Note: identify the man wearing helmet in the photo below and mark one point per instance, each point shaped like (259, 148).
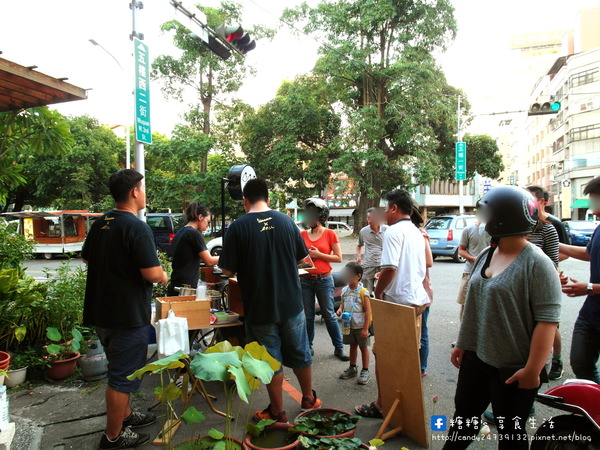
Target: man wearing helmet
(511, 313)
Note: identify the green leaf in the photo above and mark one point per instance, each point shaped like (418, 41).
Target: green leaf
(221, 445)
(239, 376)
(20, 333)
(376, 442)
(192, 415)
(170, 362)
(213, 366)
(256, 429)
(75, 345)
(77, 336)
(53, 334)
(54, 349)
(257, 368)
(260, 352)
(215, 434)
(171, 392)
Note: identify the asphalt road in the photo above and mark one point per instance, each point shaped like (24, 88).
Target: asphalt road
(442, 376)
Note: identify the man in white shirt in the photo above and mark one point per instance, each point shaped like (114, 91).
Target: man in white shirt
(402, 269)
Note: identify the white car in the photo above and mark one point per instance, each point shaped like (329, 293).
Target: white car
(215, 246)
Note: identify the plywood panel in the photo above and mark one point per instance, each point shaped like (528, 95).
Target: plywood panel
(398, 367)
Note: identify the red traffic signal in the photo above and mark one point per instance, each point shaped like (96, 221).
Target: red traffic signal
(236, 36)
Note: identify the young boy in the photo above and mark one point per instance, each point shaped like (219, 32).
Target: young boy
(355, 300)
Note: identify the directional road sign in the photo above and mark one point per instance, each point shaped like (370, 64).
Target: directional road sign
(143, 131)
(461, 160)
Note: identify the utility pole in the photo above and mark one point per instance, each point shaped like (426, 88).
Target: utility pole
(461, 207)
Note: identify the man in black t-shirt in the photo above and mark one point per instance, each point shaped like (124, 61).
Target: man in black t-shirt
(263, 248)
(122, 265)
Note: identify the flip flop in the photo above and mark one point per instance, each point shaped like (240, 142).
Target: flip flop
(369, 410)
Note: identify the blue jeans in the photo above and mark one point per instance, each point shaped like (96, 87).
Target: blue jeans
(585, 349)
(424, 350)
(323, 289)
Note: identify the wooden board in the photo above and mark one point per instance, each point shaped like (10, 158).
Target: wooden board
(197, 312)
(399, 367)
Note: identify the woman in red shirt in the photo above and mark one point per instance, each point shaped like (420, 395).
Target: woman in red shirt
(324, 248)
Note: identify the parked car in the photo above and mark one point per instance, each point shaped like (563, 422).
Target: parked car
(445, 232)
(580, 231)
(215, 246)
(165, 226)
(339, 227)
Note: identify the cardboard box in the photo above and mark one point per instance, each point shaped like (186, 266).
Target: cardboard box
(197, 312)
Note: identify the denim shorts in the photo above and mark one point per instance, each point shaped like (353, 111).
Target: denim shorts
(126, 352)
(287, 341)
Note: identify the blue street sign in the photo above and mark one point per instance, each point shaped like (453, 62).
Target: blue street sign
(461, 160)
(143, 131)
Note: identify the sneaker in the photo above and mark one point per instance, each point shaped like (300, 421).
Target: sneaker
(138, 420)
(126, 439)
(310, 403)
(364, 378)
(267, 415)
(556, 370)
(350, 372)
(341, 354)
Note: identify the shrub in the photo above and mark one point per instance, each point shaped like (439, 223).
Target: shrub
(14, 247)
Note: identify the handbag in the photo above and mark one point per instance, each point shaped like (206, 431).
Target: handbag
(172, 335)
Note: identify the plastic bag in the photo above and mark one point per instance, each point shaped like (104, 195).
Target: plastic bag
(172, 335)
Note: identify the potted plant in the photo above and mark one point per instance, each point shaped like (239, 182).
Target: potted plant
(326, 422)
(346, 443)
(19, 363)
(62, 358)
(240, 370)
(269, 434)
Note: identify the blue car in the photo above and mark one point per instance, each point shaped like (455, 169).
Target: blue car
(445, 232)
(580, 231)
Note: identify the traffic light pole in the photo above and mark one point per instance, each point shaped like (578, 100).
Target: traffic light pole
(461, 207)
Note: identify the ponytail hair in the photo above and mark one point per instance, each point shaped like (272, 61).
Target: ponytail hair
(195, 209)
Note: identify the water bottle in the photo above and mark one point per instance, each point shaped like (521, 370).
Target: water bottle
(201, 291)
(346, 316)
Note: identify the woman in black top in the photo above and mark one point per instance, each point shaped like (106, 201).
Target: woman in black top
(190, 248)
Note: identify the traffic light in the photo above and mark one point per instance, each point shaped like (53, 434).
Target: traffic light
(213, 44)
(538, 109)
(235, 36)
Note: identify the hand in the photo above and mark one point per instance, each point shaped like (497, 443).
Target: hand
(165, 279)
(456, 357)
(377, 275)
(525, 379)
(563, 278)
(364, 333)
(314, 252)
(339, 312)
(358, 259)
(575, 289)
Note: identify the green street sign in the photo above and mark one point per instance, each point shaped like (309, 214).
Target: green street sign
(143, 131)
(461, 161)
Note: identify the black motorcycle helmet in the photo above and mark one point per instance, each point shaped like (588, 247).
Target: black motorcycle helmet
(321, 206)
(508, 211)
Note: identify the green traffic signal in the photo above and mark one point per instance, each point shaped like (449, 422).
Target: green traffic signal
(555, 106)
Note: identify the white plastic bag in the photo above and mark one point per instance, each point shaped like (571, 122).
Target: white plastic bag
(172, 335)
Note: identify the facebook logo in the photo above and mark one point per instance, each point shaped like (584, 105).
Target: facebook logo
(438, 423)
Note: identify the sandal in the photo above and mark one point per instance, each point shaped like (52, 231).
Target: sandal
(369, 410)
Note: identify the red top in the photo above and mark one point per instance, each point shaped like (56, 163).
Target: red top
(325, 245)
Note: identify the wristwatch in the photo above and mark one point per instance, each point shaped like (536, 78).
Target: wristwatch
(590, 288)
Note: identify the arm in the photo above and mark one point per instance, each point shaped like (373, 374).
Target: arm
(208, 259)
(385, 278)
(367, 306)
(462, 251)
(359, 253)
(428, 254)
(541, 345)
(155, 274)
(334, 256)
(578, 288)
(572, 251)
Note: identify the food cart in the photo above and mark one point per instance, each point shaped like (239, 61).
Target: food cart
(54, 232)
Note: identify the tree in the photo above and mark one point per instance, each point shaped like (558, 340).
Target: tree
(37, 131)
(294, 139)
(483, 156)
(376, 59)
(77, 180)
(201, 71)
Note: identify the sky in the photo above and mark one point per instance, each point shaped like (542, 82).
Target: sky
(54, 35)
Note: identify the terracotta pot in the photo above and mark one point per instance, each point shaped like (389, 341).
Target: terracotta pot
(326, 412)
(4, 360)
(201, 438)
(63, 368)
(16, 377)
(260, 444)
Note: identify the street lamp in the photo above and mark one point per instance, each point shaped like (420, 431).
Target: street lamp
(127, 138)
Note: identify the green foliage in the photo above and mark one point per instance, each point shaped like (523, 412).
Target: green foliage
(57, 349)
(158, 290)
(24, 358)
(66, 291)
(14, 247)
(326, 443)
(325, 423)
(255, 429)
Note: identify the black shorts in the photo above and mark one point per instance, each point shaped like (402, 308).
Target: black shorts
(126, 352)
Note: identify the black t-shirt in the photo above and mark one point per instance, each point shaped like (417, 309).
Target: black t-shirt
(187, 244)
(263, 249)
(563, 236)
(116, 248)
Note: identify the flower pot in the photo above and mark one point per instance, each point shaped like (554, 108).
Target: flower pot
(63, 368)
(275, 436)
(327, 412)
(4, 360)
(94, 367)
(16, 377)
(206, 443)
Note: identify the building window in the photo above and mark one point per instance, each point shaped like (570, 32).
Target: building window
(581, 78)
(586, 106)
(583, 133)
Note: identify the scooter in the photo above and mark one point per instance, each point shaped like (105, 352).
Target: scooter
(578, 430)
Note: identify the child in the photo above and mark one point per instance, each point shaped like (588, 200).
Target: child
(355, 300)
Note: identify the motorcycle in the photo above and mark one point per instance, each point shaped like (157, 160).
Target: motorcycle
(578, 430)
